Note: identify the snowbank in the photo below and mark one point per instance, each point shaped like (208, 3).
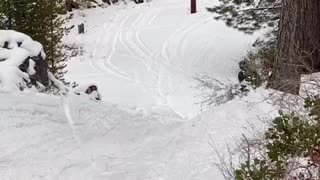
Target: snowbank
(114, 142)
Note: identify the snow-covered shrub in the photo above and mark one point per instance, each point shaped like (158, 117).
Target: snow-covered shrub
(60, 87)
(84, 4)
(257, 66)
(22, 66)
(214, 92)
(310, 85)
(18, 60)
(125, 1)
(73, 49)
(291, 148)
(260, 61)
(249, 72)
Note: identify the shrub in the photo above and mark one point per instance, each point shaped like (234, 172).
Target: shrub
(291, 148)
(260, 60)
(215, 92)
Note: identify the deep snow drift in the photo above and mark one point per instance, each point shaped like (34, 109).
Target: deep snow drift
(143, 58)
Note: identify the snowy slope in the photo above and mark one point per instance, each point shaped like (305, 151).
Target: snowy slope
(147, 54)
(113, 142)
(147, 127)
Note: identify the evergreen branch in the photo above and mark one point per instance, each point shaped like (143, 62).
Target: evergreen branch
(262, 8)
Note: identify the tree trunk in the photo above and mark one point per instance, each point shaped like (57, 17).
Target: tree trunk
(298, 44)
(41, 68)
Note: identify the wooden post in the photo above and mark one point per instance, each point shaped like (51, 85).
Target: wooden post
(81, 28)
(193, 6)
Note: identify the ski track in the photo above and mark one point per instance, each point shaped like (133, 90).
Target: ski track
(128, 34)
(105, 141)
(106, 66)
(129, 37)
(184, 33)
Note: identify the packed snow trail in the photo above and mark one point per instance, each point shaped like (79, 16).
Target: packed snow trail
(147, 54)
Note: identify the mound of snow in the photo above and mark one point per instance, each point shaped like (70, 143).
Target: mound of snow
(16, 39)
(15, 50)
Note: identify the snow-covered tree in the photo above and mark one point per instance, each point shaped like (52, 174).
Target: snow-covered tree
(298, 36)
(19, 58)
(40, 20)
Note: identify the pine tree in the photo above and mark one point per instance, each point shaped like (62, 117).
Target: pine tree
(2, 16)
(56, 58)
(40, 20)
(250, 16)
(298, 35)
(6, 14)
(247, 15)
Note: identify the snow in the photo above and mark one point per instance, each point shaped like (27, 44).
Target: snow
(60, 85)
(147, 54)
(310, 85)
(13, 38)
(107, 141)
(12, 56)
(11, 78)
(143, 59)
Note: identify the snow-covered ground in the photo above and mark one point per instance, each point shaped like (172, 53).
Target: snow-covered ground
(143, 58)
(115, 142)
(148, 54)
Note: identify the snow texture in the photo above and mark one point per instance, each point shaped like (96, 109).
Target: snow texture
(143, 59)
(72, 138)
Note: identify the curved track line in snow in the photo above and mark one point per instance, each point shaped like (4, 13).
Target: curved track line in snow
(189, 31)
(154, 16)
(121, 38)
(145, 53)
(173, 35)
(128, 34)
(135, 22)
(103, 40)
(137, 46)
(130, 42)
(108, 63)
(151, 60)
(184, 32)
(100, 41)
